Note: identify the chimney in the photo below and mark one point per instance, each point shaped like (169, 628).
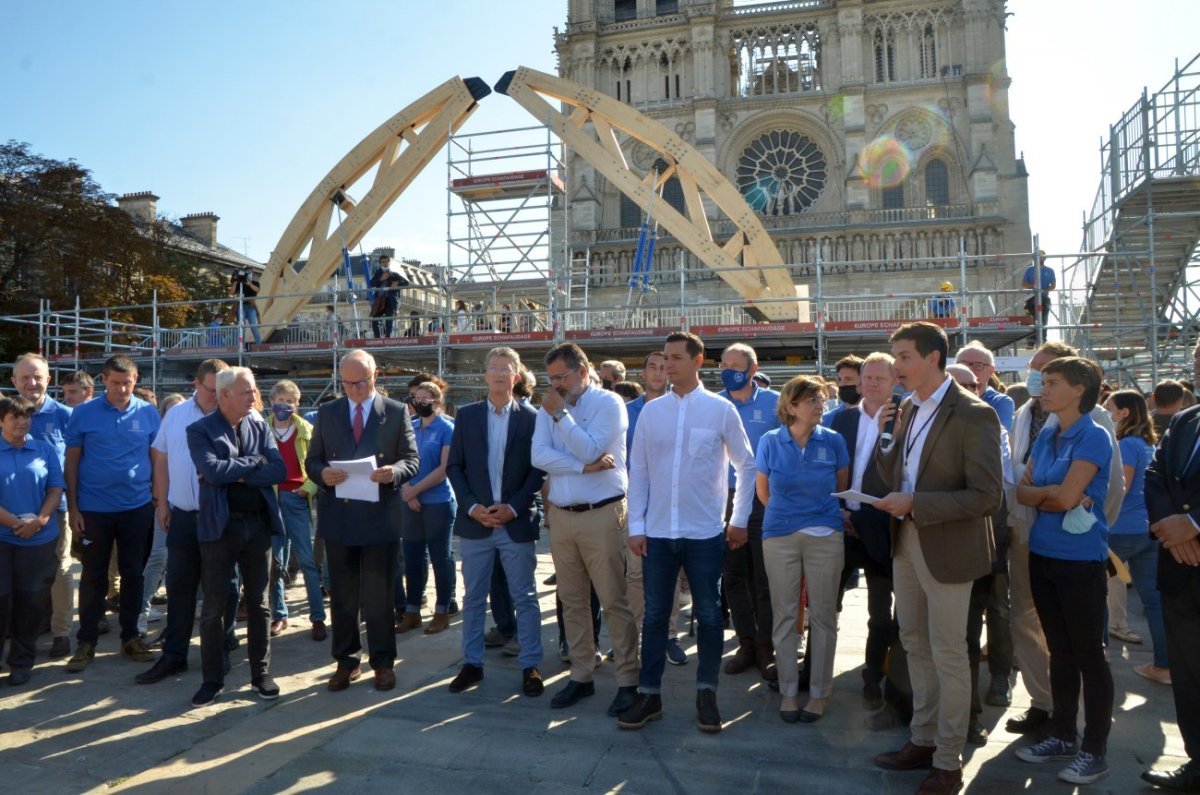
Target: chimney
(202, 226)
(142, 206)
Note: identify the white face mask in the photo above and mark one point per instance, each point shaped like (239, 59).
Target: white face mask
(1033, 383)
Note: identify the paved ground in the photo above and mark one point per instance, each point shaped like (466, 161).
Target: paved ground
(100, 732)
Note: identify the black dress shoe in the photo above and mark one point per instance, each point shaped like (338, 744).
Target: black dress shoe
(789, 715)
(623, 701)
(645, 709)
(1028, 721)
(166, 666)
(872, 696)
(976, 734)
(572, 694)
(809, 717)
(1000, 693)
(1183, 779)
(468, 676)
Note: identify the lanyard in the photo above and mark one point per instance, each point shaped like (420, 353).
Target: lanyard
(911, 442)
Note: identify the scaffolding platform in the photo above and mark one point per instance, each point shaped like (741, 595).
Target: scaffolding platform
(512, 184)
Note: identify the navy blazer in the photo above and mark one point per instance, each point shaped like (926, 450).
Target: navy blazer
(468, 471)
(388, 438)
(213, 444)
(872, 524)
(1174, 487)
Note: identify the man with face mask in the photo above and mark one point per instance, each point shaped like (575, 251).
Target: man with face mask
(612, 372)
(849, 374)
(1029, 644)
(744, 574)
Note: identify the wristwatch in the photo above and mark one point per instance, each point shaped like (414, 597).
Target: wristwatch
(558, 415)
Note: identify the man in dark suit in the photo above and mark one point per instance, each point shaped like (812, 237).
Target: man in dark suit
(361, 537)
(239, 465)
(947, 480)
(495, 484)
(868, 531)
(1173, 502)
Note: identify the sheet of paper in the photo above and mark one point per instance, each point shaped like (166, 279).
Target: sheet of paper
(856, 496)
(358, 486)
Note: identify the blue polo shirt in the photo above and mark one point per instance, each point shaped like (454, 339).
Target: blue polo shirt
(758, 415)
(50, 425)
(1048, 279)
(26, 474)
(1134, 519)
(1003, 405)
(802, 480)
(430, 442)
(114, 468)
(1083, 441)
(633, 409)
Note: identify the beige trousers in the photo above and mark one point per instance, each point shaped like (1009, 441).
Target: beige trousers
(818, 560)
(1029, 644)
(62, 590)
(587, 549)
(933, 630)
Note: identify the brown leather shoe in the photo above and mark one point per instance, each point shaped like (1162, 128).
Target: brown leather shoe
(278, 626)
(342, 678)
(319, 632)
(941, 782)
(743, 658)
(468, 676)
(910, 757)
(410, 621)
(439, 623)
(764, 657)
(385, 679)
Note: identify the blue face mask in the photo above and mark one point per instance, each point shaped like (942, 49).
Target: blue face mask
(282, 411)
(1033, 383)
(733, 380)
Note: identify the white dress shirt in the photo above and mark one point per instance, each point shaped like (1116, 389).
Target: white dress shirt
(183, 483)
(678, 468)
(864, 448)
(595, 425)
(918, 431)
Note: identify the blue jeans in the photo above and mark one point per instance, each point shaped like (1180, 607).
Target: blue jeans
(297, 524)
(518, 560)
(701, 561)
(1140, 553)
(503, 614)
(152, 574)
(428, 529)
(250, 318)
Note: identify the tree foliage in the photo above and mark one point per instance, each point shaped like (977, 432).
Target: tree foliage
(62, 236)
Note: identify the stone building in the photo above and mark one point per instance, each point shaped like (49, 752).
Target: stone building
(869, 132)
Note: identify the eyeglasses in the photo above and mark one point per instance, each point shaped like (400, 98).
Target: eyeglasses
(558, 379)
(356, 384)
(498, 369)
(976, 365)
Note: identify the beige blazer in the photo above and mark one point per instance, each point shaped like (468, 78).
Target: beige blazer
(960, 483)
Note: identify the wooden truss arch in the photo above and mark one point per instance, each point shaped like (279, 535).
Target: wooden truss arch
(422, 129)
(743, 261)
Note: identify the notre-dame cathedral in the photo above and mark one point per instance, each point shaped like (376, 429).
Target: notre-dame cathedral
(871, 132)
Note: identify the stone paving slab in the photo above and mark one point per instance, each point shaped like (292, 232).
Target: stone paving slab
(99, 732)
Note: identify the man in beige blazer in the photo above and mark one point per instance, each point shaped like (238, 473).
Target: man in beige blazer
(945, 471)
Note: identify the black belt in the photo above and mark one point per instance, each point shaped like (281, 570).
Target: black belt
(589, 506)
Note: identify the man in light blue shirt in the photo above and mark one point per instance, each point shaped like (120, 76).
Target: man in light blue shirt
(108, 473)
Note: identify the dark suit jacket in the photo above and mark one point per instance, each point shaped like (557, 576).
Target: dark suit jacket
(213, 445)
(1173, 487)
(960, 483)
(468, 471)
(873, 525)
(388, 438)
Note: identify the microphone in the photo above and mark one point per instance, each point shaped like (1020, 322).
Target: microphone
(886, 436)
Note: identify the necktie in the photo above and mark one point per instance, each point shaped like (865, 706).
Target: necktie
(358, 423)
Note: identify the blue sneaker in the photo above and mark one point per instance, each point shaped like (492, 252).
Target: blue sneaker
(1086, 769)
(1050, 749)
(675, 653)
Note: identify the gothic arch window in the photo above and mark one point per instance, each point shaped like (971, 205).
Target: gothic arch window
(937, 182)
(928, 52)
(776, 59)
(632, 215)
(885, 56)
(624, 10)
(781, 172)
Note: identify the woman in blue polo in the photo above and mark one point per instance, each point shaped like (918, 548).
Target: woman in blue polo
(800, 466)
(31, 488)
(1066, 480)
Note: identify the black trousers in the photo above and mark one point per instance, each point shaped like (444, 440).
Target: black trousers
(26, 574)
(245, 545)
(362, 579)
(745, 580)
(989, 594)
(183, 580)
(130, 531)
(882, 628)
(1071, 598)
(382, 324)
(1181, 614)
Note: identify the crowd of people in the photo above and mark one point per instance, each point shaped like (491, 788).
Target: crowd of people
(964, 503)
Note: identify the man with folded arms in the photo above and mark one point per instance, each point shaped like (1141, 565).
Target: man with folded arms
(579, 442)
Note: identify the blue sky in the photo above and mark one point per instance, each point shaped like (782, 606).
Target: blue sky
(242, 107)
